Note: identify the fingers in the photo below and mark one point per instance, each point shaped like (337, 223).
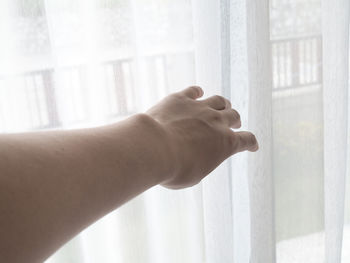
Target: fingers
(231, 118)
(217, 102)
(193, 92)
(244, 141)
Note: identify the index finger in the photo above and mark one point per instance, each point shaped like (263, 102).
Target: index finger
(193, 92)
(244, 141)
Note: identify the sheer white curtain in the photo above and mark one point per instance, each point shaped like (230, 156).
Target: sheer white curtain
(283, 64)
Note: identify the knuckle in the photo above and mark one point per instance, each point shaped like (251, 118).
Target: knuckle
(220, 99)
(196, 88)
(193, 88)
(179, 98)
(251, 139)
(177, 95)
(236, 118)
(236, 115)
(232, 141)
(200, 123)
(215, 116)
(254, 140)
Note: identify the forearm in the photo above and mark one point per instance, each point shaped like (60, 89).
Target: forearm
(54, 184)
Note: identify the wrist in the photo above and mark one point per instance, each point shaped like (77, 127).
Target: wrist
(160, 141)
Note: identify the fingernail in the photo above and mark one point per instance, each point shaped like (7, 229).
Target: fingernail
(257, 146)
(200, 91)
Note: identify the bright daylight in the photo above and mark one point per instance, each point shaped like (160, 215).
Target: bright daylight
(187, 131)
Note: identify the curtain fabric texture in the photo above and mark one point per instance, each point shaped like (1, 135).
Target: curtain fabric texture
(283, 64)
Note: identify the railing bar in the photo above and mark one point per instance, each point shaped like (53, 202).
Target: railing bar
(291, 58)
(296, 38)
(283, 66)
(297, 87)
(287, 64)
(309, 54)
(294, 63)
(160, 75)
(301, 63)
(133, 83)
(120, 88)
(304, 62)
(278, 66)
(274, 64)
(44, 108)
(38, 101)
(306, 54)
(311, 61)
(110, 84)
(314, 53)
(130, 95)
(71, 89)
(320, 61)
(77, 75)
(282, 61)
(31, 101)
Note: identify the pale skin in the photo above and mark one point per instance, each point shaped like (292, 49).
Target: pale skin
(53, 184)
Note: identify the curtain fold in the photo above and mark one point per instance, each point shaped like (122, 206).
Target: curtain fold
(283, 64)
(260, 123)
(210, 50)
(239, 94)
(335, 100)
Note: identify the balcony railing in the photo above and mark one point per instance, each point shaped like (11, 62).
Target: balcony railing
(35, 96)
(297, 62)
(45, 90)
(39, 97)
(27, 97)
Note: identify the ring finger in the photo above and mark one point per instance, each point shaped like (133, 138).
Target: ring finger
(231, 118)
(217, 102)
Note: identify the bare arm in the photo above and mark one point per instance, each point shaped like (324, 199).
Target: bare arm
(54, 184)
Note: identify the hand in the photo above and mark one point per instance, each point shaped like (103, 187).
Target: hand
(200, 135)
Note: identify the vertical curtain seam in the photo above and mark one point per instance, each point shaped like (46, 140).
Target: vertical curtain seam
(263, 245)
(335, 42)
(226, 70)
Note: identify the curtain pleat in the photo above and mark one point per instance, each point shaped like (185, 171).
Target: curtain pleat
(260, 123)
(209, 52)
(239, 97)
(80, 63)
(335, 25)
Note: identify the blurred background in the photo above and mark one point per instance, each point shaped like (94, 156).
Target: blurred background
(73, 63)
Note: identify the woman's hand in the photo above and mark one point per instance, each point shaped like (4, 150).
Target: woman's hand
(67, 180)
(199, 133)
